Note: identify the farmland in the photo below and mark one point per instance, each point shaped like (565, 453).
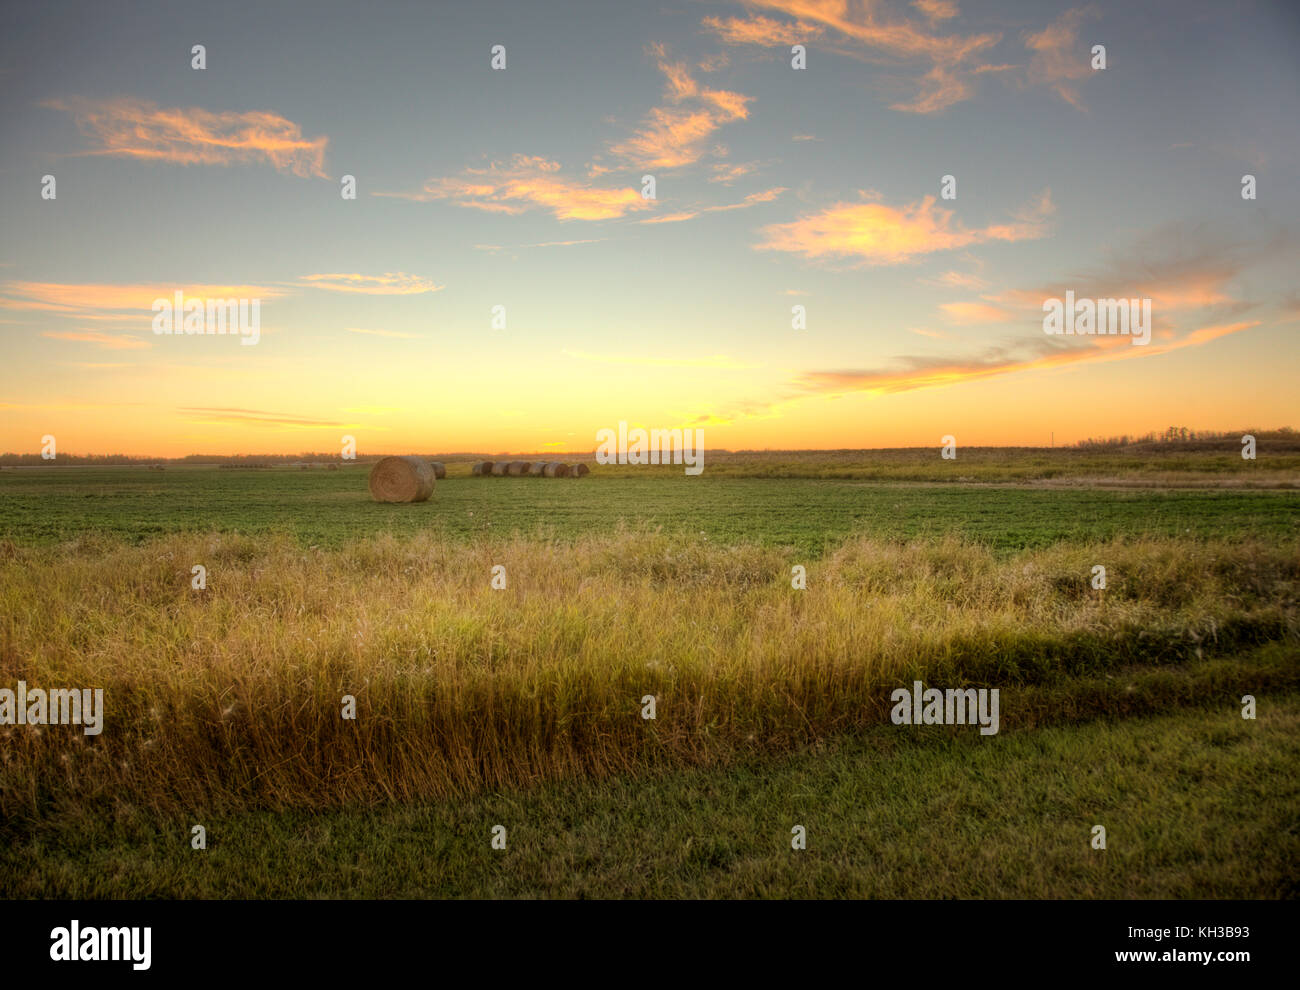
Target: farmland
(809, 514)
(522, 703)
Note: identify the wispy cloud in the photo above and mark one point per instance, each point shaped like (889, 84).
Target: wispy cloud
(539, 244)
(957, 280)
(719, 361)
(760, 30)
(107, 341)
(388, 284)
(870, 233)
(935, 11)
(227, 414)
(926, 332)
(946, 64)
(862, 29)
(91, 300)
(1057, 60)
(753, 199)
(1179, 266)
(527, 183)
(727, 173)
(1184, 269)
(677, 134)
(974, 312)
(131, 128)
(915, 372)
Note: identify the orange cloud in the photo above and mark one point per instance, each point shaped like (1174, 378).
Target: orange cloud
(958, 280)
(388, 284)
(862, 31)
(672, 217)
(973, 312)
(875, 234)
(862, 23)
(761, 30)
(1188, 266)
(131, 128)
(528, 182)
(924, 332)
(674, 135)
(766, 196)
(727, 173)
(918, 373)
(87, 300)
(1058, 60)
(936, 10)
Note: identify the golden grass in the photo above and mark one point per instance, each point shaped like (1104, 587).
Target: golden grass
(231, 697)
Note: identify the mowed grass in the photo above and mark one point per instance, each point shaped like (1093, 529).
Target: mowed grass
(810, 516)
(1196, 804)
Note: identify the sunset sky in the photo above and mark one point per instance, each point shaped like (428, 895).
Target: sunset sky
(522, 188)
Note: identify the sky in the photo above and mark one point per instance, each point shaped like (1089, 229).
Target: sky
(502, 281)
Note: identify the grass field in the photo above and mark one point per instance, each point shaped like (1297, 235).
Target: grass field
(810, 515)
(1196, 804)
(224, 704)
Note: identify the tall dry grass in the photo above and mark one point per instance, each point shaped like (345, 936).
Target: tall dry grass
(231, 697)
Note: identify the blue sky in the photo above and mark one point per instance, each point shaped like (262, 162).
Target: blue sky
(774, 187)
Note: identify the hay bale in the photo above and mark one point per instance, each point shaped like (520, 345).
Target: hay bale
(481, 468)
(439, 469)
(499, 468)
(517, 469)
(536, 468)
(556, 470)
(401, 479)
(579, 471)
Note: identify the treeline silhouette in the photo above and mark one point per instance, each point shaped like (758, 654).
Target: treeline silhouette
(1177, 438)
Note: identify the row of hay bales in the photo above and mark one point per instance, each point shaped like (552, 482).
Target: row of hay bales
(411, 479)
(529, 469)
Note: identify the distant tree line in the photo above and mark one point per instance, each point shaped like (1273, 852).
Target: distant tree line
(1180, 437)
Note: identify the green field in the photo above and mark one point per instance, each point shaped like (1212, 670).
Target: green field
(520, 706)
(330, 508)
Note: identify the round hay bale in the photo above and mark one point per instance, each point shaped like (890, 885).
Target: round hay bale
(579, 471)
(536, 468)
(401, 479)
(439, 469)
(482, 468)
(556, 470)
(499, 468)
(517, 469)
